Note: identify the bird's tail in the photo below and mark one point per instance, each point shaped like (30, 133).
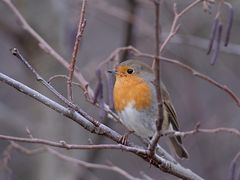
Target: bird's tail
(179, 149)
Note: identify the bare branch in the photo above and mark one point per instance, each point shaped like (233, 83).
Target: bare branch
(81, 27)
(73, 160)
(157, 70)
(200, 130)
(197, 74)
(47, 48)
(190, 6)
(27, 151)
(6, 157)
(73, 115)
(161, 163)
(63, 144)
(64, 77)
(193, 71)
(205, 77)
(92, 165)
(175, 27)
(55, 77)
(16, 53)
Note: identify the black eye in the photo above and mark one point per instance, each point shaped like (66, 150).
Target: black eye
(130, 71)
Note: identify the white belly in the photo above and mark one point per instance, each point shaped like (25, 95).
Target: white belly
(141, 122)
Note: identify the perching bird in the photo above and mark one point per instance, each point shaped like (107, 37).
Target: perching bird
(135, 101)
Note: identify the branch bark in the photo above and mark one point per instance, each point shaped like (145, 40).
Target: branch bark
(157, 71)
(47, 48)
(161, 163)
(63, 157)
(193, 71)
(71, 69)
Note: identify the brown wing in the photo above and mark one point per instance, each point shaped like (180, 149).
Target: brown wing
(172, 115)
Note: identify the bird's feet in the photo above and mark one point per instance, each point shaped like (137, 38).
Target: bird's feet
(123, 140)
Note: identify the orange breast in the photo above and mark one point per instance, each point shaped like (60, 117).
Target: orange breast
(131, 89)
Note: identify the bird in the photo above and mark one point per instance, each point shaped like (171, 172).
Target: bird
(135, 101)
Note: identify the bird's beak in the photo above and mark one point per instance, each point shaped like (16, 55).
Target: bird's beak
(112, 71)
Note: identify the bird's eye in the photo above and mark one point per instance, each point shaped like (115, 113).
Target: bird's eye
(130, 71)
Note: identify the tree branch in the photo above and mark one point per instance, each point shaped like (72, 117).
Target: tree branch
(161, 163)
(61, 156)
(39, 78)
(175, 27)
(64, 145)
(81, 27)
(200, 130)
(47, 48)
(193, 71)
(157, 70)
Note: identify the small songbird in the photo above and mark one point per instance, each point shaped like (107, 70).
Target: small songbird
(135, 101)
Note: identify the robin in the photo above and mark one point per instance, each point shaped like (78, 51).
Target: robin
(135, 101)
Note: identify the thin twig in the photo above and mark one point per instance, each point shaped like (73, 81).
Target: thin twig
(161, 163)
(146, 28)
(27, 151)
(65, 145)
(56, 76)
(16, 53)
(205, 77)
(193, 71)
(47, 48)
(112, 55)
(88, 165)
(81, 27)
(157, 67)
(62, 76)
(85, 164)
(6, 157)
(201, 130)
(175, 27)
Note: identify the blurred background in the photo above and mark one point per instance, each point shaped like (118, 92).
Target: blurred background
(110, 24)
